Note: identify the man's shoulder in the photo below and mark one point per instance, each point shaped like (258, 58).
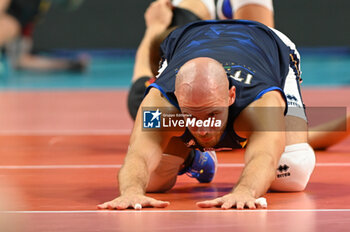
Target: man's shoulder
(251, 118)
(272, 98)
(270, 101)
(155, 98)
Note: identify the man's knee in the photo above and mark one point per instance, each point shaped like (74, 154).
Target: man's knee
(160, 187)
(295, 168)
(265, 3)
(136, 94)
(164, 176)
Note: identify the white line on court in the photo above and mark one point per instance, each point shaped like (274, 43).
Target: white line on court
(176, 211)
(64, 132)
(60, 166)
(88, 166)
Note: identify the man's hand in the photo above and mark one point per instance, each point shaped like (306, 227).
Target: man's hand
(131, 201)
(240, 199)
(159, 15)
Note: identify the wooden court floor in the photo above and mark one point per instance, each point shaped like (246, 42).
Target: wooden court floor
(61, 151)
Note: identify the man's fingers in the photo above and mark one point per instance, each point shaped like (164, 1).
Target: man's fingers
(240, 205)
(228, 205)
(206, 204)
(234, 200)
(113, 205)
(159, 204)
(210, 203)
(251, 205)
(122, 205)
(137, 203)
(103, 206)
(149, 202)
(107, 205)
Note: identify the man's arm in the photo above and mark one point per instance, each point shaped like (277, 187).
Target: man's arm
(263, 125)
(144, 154)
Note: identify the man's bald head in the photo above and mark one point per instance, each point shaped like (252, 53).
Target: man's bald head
(202, 90)
(201, 82)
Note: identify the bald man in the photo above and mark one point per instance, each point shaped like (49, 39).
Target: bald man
(221, 85)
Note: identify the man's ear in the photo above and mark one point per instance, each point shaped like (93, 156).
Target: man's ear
(232, 95)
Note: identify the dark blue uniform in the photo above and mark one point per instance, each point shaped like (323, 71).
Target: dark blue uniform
(254, 57)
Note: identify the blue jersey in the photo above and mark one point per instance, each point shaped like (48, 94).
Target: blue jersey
(254, 57)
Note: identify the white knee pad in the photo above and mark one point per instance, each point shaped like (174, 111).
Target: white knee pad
(239, 3)
(294, 168)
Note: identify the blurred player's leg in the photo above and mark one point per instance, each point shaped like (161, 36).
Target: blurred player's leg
(9, 28)
(20, 18)
(19, 52)
(45, 64)
(330, 133)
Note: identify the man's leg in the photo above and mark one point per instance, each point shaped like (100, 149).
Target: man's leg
(9, 28)
(298, 160)
(204, 9)
(19, 52)
(256, 10)
(177, 160)
(328, 134)
(164, 177)
(143, 72)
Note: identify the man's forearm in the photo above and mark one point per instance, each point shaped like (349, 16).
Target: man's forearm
(257, 175)
(133, 176)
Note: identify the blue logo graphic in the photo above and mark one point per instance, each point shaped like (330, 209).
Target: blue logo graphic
(151, 118)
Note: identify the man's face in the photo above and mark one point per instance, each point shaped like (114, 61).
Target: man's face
(215, 120)
(202, 90)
